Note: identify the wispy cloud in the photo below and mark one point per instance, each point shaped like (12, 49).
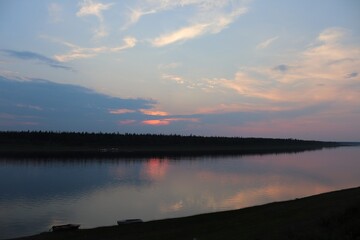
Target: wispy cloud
(89, 7)
(26, 55)
(208, 17)
(266, 43)
(147, 7)
(211, 26)
(135, 15)
(316, 75)
(181, 34)
(175, 78)
(320, 82)
(203, 83)
(332, 35)
(78, 52)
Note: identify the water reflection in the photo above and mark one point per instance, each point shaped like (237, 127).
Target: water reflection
(37, 194)
(155, 169)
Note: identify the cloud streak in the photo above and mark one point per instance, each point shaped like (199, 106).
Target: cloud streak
(27, 55)
(212, 26)
(266, 43)
(318, 73)
(181, 35)
(319, 89)
(89, 7)
(78, 52)
(208, 17)
(156, 6)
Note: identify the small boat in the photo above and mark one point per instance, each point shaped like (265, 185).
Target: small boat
(65, 227)
(129, 221)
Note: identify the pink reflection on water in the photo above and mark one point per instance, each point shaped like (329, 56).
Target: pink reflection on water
(155, 168)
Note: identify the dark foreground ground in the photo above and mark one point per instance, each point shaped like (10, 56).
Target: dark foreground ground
(334, 215)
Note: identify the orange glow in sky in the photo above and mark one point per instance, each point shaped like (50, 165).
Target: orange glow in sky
(153, 113)
(156, 122)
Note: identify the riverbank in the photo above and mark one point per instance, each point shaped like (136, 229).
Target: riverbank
(108, 145)
(334, 215)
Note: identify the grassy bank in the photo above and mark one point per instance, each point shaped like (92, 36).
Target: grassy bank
(334, 215)
(97, 145)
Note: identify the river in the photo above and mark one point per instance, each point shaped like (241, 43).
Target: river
(36, 194)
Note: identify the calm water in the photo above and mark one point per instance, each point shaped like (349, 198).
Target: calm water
(34, 195)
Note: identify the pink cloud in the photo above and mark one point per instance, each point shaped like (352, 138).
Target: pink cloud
(156, 122)
(167, 121)
(154, 112)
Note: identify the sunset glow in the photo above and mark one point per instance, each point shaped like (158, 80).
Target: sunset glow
(156, 122)
(153, 113)
(167, 121)
(229, 68)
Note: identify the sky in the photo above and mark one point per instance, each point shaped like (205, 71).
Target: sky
(243, 68)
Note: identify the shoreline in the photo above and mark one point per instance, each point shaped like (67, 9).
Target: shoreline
(334, 215)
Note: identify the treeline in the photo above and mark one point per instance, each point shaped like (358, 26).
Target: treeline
(80, 139)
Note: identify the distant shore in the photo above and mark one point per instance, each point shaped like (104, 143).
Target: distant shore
(107, 145)
(334, 215)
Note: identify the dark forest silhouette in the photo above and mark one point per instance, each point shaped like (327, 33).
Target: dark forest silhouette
(45, 143)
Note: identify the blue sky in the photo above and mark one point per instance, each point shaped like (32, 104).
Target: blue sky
(281, 68)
